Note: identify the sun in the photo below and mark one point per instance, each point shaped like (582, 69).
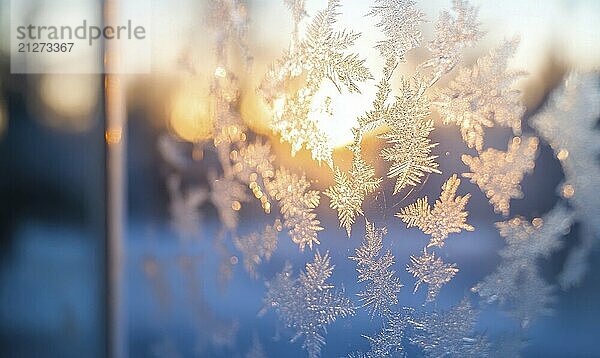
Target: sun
(337, 113)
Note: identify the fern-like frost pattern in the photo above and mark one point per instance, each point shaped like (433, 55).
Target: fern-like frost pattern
(517, 283)
(482, 96)
(297, 204)
(308, 304)
(569, 122)
(375, 268)
(498, 174)
(447, 216)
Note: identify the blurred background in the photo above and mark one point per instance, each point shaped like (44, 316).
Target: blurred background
(188, 295)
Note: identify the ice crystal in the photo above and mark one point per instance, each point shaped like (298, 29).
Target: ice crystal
(450, 333)
(374, 267)
(350, 189)
(431, 270)
(253, 165)
(482, 96)
(253, 160)
(388, 342)
(380, 112)
(362, 173)
(308, 304)
(408, 136)
(345, 198)
(527, 241)
(400, 21)
(319, 56)
(228, 125)
(453, 33)
(408, 130)
(296, 203)
(258, 247)
(227, 195)
(516, 283)
(184, 208)
(569, 123)
(447, 216)
(323, 51)
(298, 11)
(229, 19)
(498, 174)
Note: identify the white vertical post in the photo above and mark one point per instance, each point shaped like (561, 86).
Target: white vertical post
(116, 191)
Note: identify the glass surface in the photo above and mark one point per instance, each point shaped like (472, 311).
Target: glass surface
(193, 211)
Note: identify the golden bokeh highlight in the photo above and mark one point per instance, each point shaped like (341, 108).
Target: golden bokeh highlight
(191, 117)
(567, 191)
(68, 101)
(263, 169)
(562, 154)
(255, 113)
(113, 136)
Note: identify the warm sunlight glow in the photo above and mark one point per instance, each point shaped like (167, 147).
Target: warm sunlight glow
(69, 100)
(190, 117)
(3, 118)
(337, 112)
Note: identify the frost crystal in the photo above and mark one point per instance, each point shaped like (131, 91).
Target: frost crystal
(499, 174)
(346, 198)
(320, 56)
(450, 333)
(452, 35)
(388, 342)
(229, 19)
(308, 304)
(350, 190)
(528, 241)
(408, 136)
(380, 113)
(482, 96)
(381, 293)
(258, 247)
(253, 165)
(517, 283)
(298, 11)
(447, 216)
(569, 122)
(400, 22)
(184, 208)
(227, 195)
(432, 271)
(297, 203)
